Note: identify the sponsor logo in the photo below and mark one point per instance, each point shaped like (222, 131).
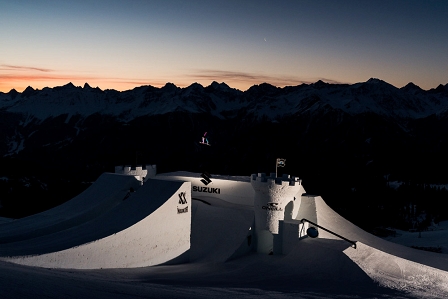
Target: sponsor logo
(184, 210)
(182, 198)
(272, 206)
(206, 190)
(182, 201)
(206, 178)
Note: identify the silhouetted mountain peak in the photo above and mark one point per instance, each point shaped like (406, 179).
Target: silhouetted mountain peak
(411, 87)
(88, 87)
(263, 88)
(219, 86)
(69, 85)
(442, 88)
(13, 92)
(375, 81)
(195, 86)
(28, 91)
(169, 87)
(379, 82)
(376, 86)
(320, 84)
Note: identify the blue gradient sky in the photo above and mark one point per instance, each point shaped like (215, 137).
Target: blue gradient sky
(123, 44)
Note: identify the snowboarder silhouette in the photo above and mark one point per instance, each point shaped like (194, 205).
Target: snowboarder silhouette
(204, 139)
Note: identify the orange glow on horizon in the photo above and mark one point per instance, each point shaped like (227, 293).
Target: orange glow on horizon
(19, 77)
(21, 82)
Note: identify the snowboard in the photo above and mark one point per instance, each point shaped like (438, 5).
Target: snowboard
(204, 143)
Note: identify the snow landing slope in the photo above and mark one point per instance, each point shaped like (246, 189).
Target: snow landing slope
(389, 264)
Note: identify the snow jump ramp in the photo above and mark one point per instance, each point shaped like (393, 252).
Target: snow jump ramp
(150, 227)
(106, 192)
(388, 264)
(328, 218)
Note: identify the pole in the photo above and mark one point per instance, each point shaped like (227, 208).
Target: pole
(276, 165)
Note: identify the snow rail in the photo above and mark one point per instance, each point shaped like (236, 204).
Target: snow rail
(329, 231)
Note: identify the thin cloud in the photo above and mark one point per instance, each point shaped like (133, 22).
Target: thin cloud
(9, 67)
(253, 78)
(29, 74)
(331, 81)
(20, 81)
(31, 77)
(62, 77)
(136, 82)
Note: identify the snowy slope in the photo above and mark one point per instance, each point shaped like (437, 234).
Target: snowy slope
(434, 238)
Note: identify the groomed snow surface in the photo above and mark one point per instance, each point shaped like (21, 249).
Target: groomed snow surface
(216, 261)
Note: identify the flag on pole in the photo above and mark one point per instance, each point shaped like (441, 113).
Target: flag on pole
(281, 162)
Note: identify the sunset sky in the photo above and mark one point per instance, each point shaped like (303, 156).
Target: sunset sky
(123, 44)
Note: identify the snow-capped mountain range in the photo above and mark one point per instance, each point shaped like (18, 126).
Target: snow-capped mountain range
(374, 96)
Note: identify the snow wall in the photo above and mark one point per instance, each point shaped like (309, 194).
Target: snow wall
(235, 190)
(139, 172)
(273, 198)
(290, 231)
(151, 227)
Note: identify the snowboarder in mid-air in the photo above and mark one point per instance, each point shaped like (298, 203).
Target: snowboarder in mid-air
(204, 139)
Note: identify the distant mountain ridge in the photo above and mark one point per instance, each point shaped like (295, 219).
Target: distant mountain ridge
(222, 101)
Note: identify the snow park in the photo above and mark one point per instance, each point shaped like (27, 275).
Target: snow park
(223, 149)
(137, 233)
